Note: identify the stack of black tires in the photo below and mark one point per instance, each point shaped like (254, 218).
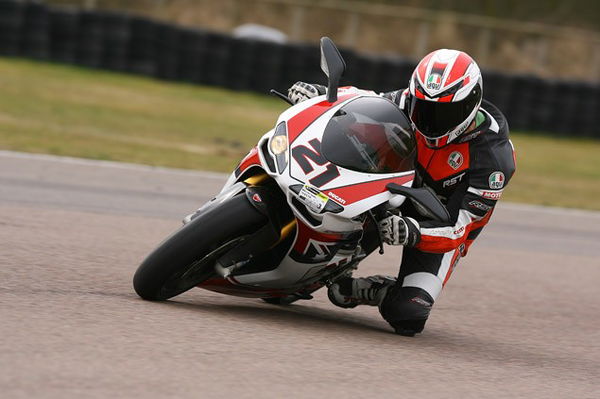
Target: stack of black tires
(121, 42)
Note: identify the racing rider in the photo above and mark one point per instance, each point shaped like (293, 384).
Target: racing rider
(465, 156)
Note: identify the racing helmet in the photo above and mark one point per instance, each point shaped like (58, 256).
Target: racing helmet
(445, 93)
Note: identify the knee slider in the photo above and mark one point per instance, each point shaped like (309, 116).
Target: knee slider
(406, 309)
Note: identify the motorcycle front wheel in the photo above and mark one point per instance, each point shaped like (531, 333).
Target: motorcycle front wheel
(188, 256)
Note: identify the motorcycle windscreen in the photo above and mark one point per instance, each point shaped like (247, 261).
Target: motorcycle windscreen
(370, 135)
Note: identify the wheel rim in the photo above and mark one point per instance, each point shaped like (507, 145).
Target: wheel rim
(195, 272)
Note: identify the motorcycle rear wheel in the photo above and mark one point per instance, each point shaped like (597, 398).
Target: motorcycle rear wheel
(188, 256)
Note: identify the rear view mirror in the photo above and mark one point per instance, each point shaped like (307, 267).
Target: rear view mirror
(430, 204)
(333, 66)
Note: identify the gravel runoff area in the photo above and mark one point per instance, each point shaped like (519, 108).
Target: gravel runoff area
(519, 318)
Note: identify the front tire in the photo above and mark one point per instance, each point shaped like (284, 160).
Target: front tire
(188, 256)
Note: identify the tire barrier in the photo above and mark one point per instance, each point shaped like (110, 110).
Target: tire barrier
(35, 34)
(218, 57)
(90, 45)
(167, 51)
(63, 31)
(139, 45)
(11, 26)
(116, 37)
(143, 47)
(190, 47)
(300, 62)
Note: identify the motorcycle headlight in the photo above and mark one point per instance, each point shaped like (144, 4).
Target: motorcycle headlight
(279, 146)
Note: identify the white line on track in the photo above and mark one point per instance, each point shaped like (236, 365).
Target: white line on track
(222, 176)
(111, 164)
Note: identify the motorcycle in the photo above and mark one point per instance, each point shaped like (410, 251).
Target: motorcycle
(301, 209)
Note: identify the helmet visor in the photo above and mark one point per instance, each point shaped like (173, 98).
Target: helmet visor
(435, 119)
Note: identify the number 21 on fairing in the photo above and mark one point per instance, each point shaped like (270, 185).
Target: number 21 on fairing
(302, 154)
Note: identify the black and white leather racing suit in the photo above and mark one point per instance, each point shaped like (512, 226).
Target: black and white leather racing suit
(469, 175)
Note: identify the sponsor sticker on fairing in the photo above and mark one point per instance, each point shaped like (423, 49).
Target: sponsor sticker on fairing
(496, 180)
(455, 160)
(337, 198)
(314, 199)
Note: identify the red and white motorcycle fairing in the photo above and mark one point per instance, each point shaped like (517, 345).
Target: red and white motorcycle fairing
(310, 179)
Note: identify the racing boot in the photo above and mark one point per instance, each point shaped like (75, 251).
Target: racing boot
(348, 292)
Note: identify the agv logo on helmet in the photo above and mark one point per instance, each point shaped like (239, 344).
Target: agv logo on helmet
(434, 82)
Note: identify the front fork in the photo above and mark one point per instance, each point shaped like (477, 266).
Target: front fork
(230, 190)
(223, 196)
(269, 201)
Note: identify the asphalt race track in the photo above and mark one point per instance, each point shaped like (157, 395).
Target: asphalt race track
(519, 318)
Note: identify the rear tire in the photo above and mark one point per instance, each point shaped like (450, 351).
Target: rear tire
(187, 257)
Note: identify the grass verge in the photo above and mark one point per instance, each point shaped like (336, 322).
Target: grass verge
(72, 111)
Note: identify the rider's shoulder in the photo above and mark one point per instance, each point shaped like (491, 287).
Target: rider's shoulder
(492, 132)
(497, 121)
(492, 151)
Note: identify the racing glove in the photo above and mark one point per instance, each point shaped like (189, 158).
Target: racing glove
(301, 91)
(398, 230)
